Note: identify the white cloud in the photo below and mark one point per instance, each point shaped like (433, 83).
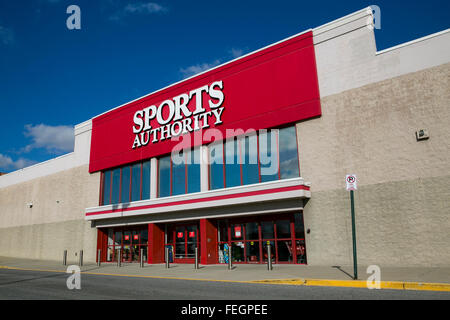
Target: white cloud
(198, 68)
(149, 7)
(6, 163)
(138, 8)
(54, 139)
(235, 52)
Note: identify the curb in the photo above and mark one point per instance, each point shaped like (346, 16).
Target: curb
(393, 285)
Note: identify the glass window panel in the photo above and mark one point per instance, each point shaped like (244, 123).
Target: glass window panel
(223, 231)
(115, 195)
(301, 251)
(179, 174)
(237, 251)
(299, 227)
(267, 230)
(251, 231)
(146, 180)
(118, 238)
(283, 229)
(216, 166)
(232, 164)
(144, 236)
(193, 165)
(252, 251)
(284, 251)
(268, 151)
(288, 153)
(249, 151)
(136, 182)
(125, 193)
(164, 176)
(106, 187)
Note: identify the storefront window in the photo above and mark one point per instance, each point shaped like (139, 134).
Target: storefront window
(106, 187)
(248, 159)
(115, 194)
(216, 172)
(146, 180)
(232, 163)
(117, 183)
(193, 170)
(179, 173)
(268, 155)
(250, 237)
(136, 182)
(288, 153)
(249, 152)
(125, 194)
(164, 176)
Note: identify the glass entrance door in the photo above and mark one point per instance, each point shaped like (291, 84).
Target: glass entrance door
(129, 241)
(185, 238)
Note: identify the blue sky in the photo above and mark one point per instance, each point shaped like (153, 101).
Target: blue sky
(52, 78)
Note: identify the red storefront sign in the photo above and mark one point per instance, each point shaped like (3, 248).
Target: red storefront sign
(126, 238)
(274, 86)
(237, 232)
(180, 235)
(135, 237)
(191, 234)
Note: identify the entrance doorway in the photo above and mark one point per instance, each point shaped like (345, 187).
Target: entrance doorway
(247, 239)
(183, 238)
(130, 241)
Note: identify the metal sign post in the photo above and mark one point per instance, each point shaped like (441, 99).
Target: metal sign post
(351, 186)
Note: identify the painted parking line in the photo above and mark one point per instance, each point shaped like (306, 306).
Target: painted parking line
(392, 285)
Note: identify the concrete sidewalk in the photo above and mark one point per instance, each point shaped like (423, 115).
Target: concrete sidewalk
(392, 278)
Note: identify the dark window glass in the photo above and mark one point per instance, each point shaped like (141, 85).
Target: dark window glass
(299, 227)
(283, 229)
(288, 153)
(284, 251)
(115, 195)
(223, 231)
(178, 174)
(232, 163)
(118, 238)
(125, 193)
(193, 170)
(216, 166)
(106, 187)
(144, 236)
(136, 182)
(252, 251)
(251, 231)
(164, 176)
(249, 152)
(267, 230)
(146, 180)
(268, 158)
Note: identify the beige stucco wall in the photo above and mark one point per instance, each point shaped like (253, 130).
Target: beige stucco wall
(55, 222)
(403, 198)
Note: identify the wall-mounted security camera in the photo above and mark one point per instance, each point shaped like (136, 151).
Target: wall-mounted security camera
(422, 134)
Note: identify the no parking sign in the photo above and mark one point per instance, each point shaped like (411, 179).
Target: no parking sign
(350, 180)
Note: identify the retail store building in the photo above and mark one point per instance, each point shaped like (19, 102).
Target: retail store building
(256, 151)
